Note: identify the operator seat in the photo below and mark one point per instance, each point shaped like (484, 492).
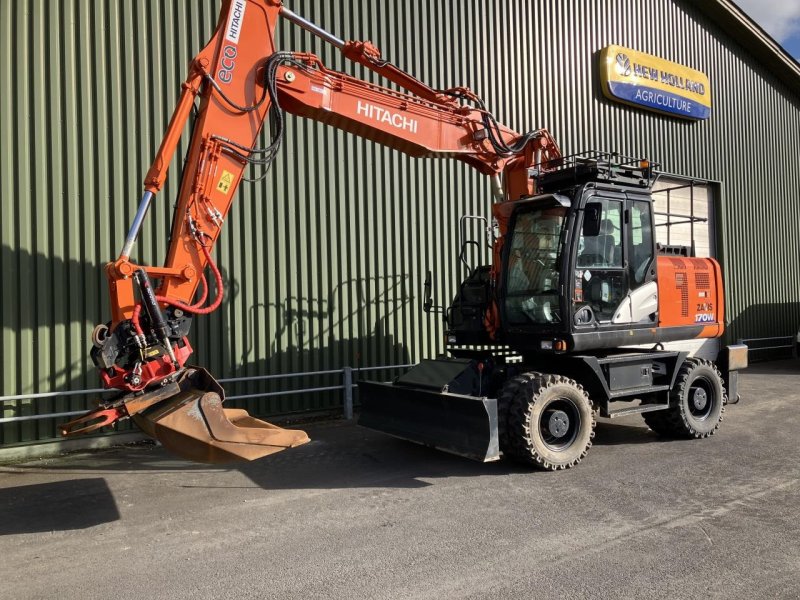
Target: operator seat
(598, 250)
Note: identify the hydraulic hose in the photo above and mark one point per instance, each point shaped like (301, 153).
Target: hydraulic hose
(195, 309)
(137, 326)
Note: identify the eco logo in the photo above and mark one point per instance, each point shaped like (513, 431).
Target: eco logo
(229, 52)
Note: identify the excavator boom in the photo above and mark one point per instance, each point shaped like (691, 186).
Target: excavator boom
(233, 84)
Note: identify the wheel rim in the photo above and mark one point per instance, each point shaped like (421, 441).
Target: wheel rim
(559, 424)
(702, 399)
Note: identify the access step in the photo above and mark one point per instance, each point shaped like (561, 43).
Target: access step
(635, 410)
(638, 391)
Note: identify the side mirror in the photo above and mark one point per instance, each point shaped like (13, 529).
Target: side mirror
(428, 303)
(591, 219)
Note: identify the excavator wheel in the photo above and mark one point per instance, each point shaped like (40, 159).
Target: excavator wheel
(697, 402)
(504, 401)
(548, 422)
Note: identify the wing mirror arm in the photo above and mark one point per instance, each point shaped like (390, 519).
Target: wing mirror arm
(428, 305)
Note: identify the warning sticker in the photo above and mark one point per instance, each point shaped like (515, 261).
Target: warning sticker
(225, 182)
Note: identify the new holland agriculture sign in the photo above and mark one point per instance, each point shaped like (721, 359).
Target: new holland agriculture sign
(654, 83)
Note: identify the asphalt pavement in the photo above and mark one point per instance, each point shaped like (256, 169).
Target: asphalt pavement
(355, 514)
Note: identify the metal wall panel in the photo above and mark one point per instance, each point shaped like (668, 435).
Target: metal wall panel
(324, 261)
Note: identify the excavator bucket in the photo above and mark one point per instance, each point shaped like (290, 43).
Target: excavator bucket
(193, 425)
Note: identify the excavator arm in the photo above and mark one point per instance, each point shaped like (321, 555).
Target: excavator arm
(239, 79)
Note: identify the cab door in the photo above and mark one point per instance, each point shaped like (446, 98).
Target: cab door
(640, 306)
(615, 265)
(601, 271)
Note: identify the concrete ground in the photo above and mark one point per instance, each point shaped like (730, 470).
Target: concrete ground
(355, 514)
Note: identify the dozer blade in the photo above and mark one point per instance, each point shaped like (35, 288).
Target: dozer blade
(194, 425)
(459, 424)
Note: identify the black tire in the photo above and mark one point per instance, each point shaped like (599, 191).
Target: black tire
(505, 399)
(697, 403)
(548, 421)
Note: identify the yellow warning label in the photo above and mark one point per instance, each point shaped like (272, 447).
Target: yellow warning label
(225, 182)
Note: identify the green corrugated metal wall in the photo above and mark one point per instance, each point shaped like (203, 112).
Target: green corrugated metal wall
(324, 261)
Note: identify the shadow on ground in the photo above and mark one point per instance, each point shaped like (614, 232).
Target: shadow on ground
(618, 434)
(340, 455)
(56, 506)
(789, 366)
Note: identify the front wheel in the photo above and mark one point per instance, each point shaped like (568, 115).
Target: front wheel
(549, 421)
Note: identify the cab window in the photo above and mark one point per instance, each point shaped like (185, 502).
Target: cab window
(601, 282)
(532, 292)
(642, 238)
(600, 247)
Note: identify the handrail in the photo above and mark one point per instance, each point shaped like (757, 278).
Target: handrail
(346, 386)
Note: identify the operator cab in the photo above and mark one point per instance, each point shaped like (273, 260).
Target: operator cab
(578, 263)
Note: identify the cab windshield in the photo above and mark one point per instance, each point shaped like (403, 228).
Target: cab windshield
(533, 267)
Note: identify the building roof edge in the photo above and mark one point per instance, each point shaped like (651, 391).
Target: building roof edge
(754, 39)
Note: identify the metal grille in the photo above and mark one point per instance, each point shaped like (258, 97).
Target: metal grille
(678, 263)
(683, 285)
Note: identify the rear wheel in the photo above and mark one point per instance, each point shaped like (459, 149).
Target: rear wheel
(546, 420)
(697, 401)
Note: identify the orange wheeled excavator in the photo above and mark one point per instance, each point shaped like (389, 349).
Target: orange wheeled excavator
(576, 277)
